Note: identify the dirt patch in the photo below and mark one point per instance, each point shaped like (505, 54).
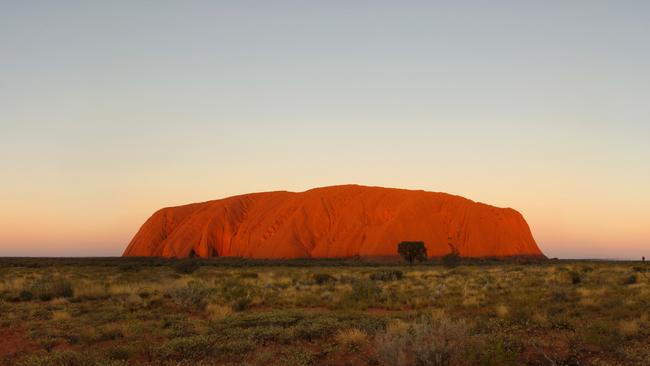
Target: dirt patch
(14, 344)
(382, 312)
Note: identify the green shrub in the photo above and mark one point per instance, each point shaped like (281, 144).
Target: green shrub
(559, 296)
(25, 295)
(345, 279)
(110, 333)
(323, 278)
(41, 290)
(48, 288)
(119, 353)
(387, 275)
(630, 280)
(315, 328)
(128, 267)
(602, 335)
(426, 342)
(186, 266)
(192, 297)
(452, 259)
(236, 347)
(61, 287)
(237, 294)
(291, 326)
(41, 313)
(179, 326)
(204, 346)
(187, 348)
(299, 357)
(241, 303)
(497, 351)
(364, 293)
(60, 358)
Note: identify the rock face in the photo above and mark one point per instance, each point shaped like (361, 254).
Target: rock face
(338, 221)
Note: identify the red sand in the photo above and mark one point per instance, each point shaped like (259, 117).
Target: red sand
(338, 221)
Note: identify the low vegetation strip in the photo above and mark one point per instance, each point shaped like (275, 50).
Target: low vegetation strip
(161, 312)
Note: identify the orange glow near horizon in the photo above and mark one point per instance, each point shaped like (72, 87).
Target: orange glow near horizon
(64, 230)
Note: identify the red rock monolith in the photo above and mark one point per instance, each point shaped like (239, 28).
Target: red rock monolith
(330, 222)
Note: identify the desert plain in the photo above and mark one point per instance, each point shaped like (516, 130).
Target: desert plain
(228, 311)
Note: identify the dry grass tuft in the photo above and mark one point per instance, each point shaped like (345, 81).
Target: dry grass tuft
(502, 311)
(351, 338)
(629, 328)
(540, 317)
(12, 284)
(396, 327)
(471, 301)
(89, 290)
(133, 301)
(60, 315)
(437, 314)
(218, 312)
(59, 301)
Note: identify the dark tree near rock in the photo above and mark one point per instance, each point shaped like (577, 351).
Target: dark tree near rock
(412, 251)
(452, 259)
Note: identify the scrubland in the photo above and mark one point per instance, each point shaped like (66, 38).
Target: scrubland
(85, 312)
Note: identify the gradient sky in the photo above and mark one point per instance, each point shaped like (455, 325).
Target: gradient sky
(110, 110)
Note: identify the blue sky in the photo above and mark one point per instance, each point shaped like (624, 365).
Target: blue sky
(110, 110)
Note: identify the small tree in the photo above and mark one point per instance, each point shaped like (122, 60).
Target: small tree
(452, 259)
(186, 266)
(412, 251)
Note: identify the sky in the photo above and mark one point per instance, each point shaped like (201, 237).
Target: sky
(110, 110)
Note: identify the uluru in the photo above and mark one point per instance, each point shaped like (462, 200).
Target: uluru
(334, 222)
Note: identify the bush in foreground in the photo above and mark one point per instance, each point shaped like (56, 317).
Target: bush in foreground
(428, 341)
(48, 288)
(387, 275)
(323, 278)
(192, 297)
